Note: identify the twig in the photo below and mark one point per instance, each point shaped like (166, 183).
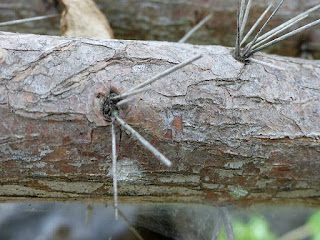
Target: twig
(126, 220)
(130, 93)
(249, 45)
(299, 233)
(195, 28)
(114, 169)
(285, 36)
(255, 25)
(28, 20)
(217, 227)
(279, 31)
(143, 141)
(227, 223)
(245, 19)
(165, 73)
(265, 63)
(283, 25)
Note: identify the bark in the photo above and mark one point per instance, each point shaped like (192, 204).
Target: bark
(170, 20)
(236, 133)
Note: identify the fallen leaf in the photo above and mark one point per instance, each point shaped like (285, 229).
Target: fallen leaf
(82, 18)
(3, 55)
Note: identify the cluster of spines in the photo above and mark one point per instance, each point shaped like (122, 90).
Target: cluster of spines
(123, 98)
(262, 41)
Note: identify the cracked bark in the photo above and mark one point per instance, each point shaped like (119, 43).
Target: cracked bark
(241, 134)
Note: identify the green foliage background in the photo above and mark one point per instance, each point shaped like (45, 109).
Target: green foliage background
(257, 228)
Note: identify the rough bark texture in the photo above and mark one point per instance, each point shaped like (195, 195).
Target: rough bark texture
(236, 133)
(170, 20)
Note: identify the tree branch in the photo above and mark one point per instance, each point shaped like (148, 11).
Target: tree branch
(235, 133)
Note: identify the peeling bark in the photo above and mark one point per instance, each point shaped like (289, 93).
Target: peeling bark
(236, 133)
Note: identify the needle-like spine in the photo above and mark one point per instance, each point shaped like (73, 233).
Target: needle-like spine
(114, 168)
(166, 72)
(237, 47)
(28, 20)
(285, 36)
(245, 19)
(264, 63)
(279, 31)
(255, 25)
(131, 93)
(126, 220)
(195, 28)
(143, 141)
(124, 101)
(249, 45)
(285, 24)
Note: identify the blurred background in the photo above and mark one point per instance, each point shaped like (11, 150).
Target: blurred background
(170, 20)
(66, 221)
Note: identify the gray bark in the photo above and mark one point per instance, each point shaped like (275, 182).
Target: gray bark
(235, 133)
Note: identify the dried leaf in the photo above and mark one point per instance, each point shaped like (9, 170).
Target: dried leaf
(82, 18)
(3, 55)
